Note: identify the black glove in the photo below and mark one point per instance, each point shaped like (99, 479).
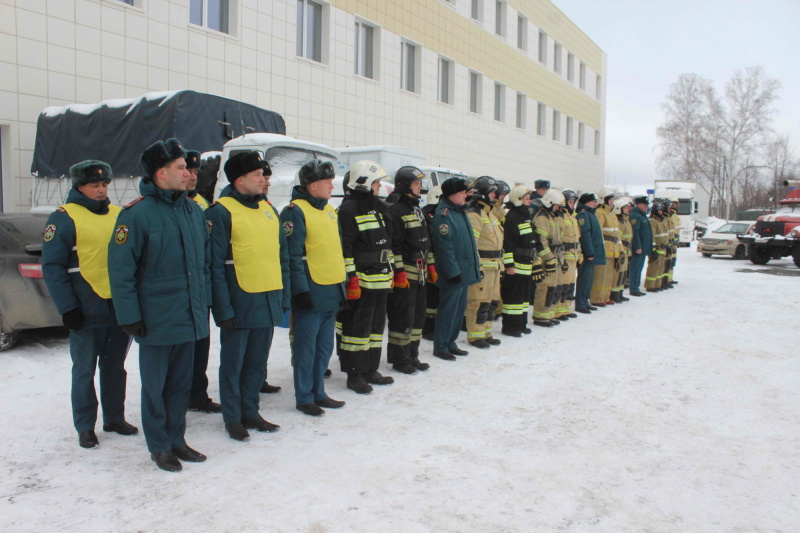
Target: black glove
(136, 329)
(537, 272)
(302, 301)
(564, 267)
(622, 260)
(73, 320)
(229, 323)
(455, 280)
(550, 268)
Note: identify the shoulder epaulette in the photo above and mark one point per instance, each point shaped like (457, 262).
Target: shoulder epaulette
(444, 211)
(61, 210)
(131, 204)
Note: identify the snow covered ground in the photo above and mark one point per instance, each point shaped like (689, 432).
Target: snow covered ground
(678, 411)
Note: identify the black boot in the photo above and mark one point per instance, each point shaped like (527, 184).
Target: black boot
(492, 341)
(310, 409)
(357, 383)
(447, 356)
(167, 461)
(420, 365)
(269, 389)
(237, 431)
(406, 368)
(259, 424)
(208, 406)
(88, 439)
(479, 343)
(458, 351)
(376, 378)
(328, 372)
(543, 323)
(329, 403)
(123, 428)
(189, 455)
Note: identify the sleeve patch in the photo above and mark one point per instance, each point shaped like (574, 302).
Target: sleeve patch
(121, 234)
(288, 228)
(581, 222)
(49, 232)
(444, 229)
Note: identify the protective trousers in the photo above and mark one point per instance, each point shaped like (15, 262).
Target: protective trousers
(547, 291)
(655, 271)
(567, 291)
(242, 369)
(603, 279)
(452, 305)
(515, 290)
(635, 272)
(406, 314)
(482, 300)
(90, 348)
(166, 374)
(312, 346)
(620, 277)
(431, 304)
(199, 392)
(361, 335)
(666, 276)
(584, 288)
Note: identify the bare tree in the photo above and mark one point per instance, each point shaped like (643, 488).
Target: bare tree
(781, 163)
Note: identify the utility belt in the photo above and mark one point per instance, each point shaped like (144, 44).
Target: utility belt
(626, 244)
(490, 254)
(611, 238)
(571, 245)
(381, 256)
(527, 253)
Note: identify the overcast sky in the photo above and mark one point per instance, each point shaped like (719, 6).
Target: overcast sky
(649, 43)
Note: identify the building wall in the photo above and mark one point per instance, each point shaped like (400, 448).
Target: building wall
(57, 52)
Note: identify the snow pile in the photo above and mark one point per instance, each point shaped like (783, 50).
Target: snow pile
(662, 414)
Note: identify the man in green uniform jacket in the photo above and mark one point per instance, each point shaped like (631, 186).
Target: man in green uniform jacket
(158, 262)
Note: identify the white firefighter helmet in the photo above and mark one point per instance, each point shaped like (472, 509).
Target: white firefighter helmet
(619, 203)
(604, 193)
(553, 197)
(363, 174)
(433, 195)
(517, 193)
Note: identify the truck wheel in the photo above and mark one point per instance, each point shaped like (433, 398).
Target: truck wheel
(8, 340)
(740, 252)
(706, 255)
(796, 256)
(759, 255)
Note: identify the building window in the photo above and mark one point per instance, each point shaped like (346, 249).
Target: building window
(475, 92)
(409, 66)
(446, 68)
(570, 66)
(596, 142)
(581, 132)
(476, 11)
(500, 17)
(542, 46)
(557, 57)
(367, 49)
(556, 125)
(569, 131)
(521, 110)
(130, 2)
(213, 14)
(522, 32)
(499, 102)
(541, 118)
(582, 82)
(598, 87)
(309, 30)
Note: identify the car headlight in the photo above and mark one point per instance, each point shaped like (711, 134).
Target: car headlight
(795, 233)
(730, 242)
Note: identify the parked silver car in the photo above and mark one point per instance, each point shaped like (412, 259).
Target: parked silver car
(24, 300)
(723, 241)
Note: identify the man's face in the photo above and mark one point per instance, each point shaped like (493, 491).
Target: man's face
(571, 203)
(321, 189)
(459, 198)
(265, 188)
(376, 187)
(542, 190)
(556, 207)
(191, 185)
(526, 200)
(251, 183)
(642, 207)
(491, 196)
(416, 187)
(96, 190)
(501, 198)
(173, 176)
(610, 202)
(626, 209)
(591, 203)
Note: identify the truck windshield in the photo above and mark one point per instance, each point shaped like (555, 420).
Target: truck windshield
(285, 162)
(788, 210)
(684, 206)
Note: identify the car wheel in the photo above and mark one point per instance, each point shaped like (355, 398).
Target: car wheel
(796, 256)
(706, 255)
(740, 252)
(8, 340)
(759, 255)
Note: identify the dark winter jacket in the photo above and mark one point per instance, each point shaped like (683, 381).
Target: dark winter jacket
(642, 232)
(454, 246)
(251, 309)
(519, 237)
(591, 235)
(158, 261)
(411, 240)
(323, 297)
(69, 290)
(366, 241)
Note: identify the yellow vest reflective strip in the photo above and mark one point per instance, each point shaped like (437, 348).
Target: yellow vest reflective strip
(199, 200)
(611, 230)
(522, 268)
(366, 222)
(92, 234)
(375, 281)
(255, 244)
(323, 246)
(411, 221)
(525, 228)
(476, 232)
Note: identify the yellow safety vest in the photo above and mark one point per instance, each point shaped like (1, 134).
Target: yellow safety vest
(93, 231)
(323, 245)
(256, 246)
(199, 200)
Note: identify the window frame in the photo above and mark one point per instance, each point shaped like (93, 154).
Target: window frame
(570, 67)
(405, 44)
(556, 125)
(477, 96)
(375, 40)
(557, 52)
(301, 34)
(569, 131)
(581, 136)
(204, 16)
(541, 119)
(445, 95)
(522, 32)
(598, 92)
(499, 101)
(542, 46)
(476, 11)
(582, 76)
(596, 142)
(522, 110)
(501, 18)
